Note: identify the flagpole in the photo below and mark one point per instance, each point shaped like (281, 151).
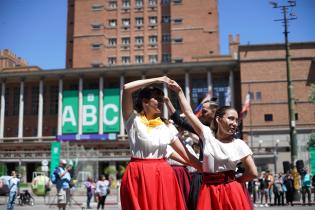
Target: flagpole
(250, 117)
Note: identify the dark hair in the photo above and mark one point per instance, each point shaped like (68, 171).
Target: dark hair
(219, 113)
(147, 93)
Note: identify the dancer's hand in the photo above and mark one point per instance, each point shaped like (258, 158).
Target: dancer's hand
(174, 86)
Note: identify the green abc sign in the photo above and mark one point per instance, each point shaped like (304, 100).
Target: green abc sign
(90, 111)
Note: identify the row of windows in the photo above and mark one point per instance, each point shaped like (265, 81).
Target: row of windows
(126, 4)
(139, 40)
(269, 117)
(139, 59)
(139, 22)
(53, 101)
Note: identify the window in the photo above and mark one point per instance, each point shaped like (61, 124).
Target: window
(139, 59)
(258, 96)
(166, 19)
(112, 60)
(112, 42)
(125, 41)
(152, 58)
(166, 58)
(177, 1)
(97, 7)
(125, 59)
(178, 60)
(16, 100)
(178, 20)
(139, 40)
(139, 21)
(35, 93)
(178, 40)
(125, 3)
(6, 98)
(139, 3)
(152, 2)
(53, 100)
(112, 4)
(96, 26)
(126, 22)
(166, 38)
(112, 23)
(96, 45)
(152, 20)
(165, 2)
(268, 117)
(296, 116)
(152, 39)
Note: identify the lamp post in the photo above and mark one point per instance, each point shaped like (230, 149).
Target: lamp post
(291, 103)
(275, 155)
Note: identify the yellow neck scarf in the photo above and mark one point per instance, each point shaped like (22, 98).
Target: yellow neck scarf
(150, 123)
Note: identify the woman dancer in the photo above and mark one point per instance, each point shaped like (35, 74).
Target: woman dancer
(220, 189)
(149, 183)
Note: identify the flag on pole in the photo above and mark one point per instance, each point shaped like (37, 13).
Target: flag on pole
(246, 106)
(198, 109)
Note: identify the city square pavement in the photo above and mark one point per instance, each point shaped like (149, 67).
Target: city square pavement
(112, 203)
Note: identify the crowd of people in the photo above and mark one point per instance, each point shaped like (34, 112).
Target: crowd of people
(280, 189)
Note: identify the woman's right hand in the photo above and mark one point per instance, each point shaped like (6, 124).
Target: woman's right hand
(172, 84)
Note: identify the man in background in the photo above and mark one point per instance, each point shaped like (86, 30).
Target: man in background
(14, 190)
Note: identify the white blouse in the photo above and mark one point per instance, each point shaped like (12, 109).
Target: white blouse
(219, 156)
(148, 142)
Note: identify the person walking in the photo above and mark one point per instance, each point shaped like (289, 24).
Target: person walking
(89, 185)
(13, 184)
(102, 189)
(220, 188)
(149, 182)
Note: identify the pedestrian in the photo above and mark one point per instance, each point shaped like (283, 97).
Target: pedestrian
(263, 186)
(102, 189)
(222, 152)
(278, 190)
(306, 186)
(208, 108)
(289, 185)
(270, 179)
(63, 179)
(313, 184)
(89, 185)
(13, 184)
(149, 182)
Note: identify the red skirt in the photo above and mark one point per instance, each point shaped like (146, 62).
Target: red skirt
(183, 179)
(220, 191)
(150, 184)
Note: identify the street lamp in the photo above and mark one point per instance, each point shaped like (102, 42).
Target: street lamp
(292, 124)
(275, 155)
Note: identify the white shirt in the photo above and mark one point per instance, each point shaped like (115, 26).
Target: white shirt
(148, 142)
(219, 156)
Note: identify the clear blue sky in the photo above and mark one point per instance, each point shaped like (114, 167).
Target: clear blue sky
(36, 29)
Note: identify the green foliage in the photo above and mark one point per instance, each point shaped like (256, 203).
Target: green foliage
(311, 141)
(312, 95)
(110, 170)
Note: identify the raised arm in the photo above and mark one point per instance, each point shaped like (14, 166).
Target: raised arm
(131, 87)
(174, 115)
(186, 108)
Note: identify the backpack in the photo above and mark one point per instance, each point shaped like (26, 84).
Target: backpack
(54, 176)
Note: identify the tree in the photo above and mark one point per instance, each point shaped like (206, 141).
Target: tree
(311, 141)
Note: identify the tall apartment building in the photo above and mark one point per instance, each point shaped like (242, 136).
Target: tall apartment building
(110, 32)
